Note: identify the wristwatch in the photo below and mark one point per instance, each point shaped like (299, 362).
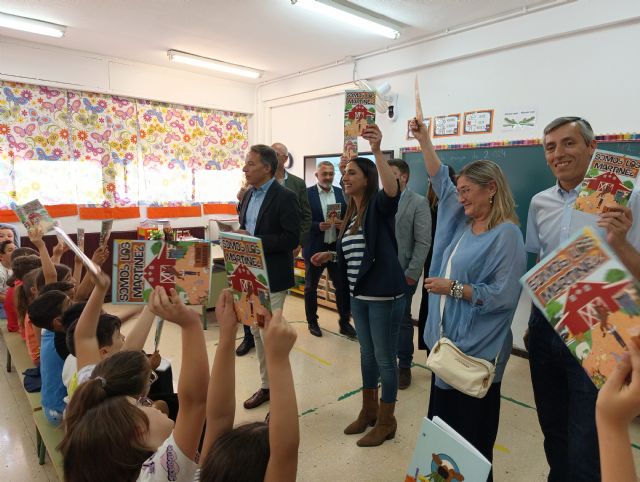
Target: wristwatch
(334, 257)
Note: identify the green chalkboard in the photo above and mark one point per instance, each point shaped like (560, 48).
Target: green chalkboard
(524, 166)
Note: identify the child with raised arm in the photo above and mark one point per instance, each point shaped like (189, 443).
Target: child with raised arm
(254, 452)
(137, 442)
(617, 405)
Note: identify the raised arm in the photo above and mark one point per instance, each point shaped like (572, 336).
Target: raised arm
(284, 430)
(48, 268)
(618, 404)
(221, 398)
(84, 338)
(431, 159)
(192, 392)
(100, 255)
(138, 335)
(389, 182)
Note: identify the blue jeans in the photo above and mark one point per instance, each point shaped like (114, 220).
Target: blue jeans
(566, 401)
(405, 339)
(377, 324)
(53, 416)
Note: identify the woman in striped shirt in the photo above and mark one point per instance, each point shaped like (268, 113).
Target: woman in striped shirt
(367, 254)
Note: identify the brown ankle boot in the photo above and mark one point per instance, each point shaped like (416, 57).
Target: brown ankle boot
(385, 428)
(368, 414)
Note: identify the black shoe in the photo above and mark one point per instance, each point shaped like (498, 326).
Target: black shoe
(245, 347)
(314, 329)
(347, 330)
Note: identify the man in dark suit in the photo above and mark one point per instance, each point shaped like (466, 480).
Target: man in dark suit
(270, 212)
(298, 186)
(322, 237)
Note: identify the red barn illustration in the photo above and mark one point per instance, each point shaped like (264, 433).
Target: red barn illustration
(243, 280)
(606, 182)
(586, 301)
(358, 112)
(161, 271)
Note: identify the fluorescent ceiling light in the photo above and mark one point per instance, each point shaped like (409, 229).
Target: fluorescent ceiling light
(31, 25)
(212, 64)
(351, 15)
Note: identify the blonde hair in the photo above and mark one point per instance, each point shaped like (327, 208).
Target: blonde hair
(503, 207)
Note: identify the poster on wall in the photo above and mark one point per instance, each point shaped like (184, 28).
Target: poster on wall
(478, 122)
(446, 125)
(519, 119)
(427, 124)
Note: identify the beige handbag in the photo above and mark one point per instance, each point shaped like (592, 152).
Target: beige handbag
(467, 374)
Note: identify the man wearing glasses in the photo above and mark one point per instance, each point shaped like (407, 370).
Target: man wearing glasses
(565, 396)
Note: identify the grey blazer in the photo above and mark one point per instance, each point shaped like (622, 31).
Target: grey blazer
(413, 233)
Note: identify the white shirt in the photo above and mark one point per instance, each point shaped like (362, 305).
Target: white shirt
(168, 463)
(326, 198)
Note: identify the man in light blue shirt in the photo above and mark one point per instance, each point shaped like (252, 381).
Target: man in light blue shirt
(564, 394)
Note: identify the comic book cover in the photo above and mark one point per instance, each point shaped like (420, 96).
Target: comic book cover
(359, 112)
(247, 276)
(32, 214)
(610, 179)
(334, 212)
(141, 265)
(442, 454)
(590, 299)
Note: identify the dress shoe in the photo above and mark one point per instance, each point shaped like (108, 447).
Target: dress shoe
(245, 347)
(404, 378)
(347, 330)
(314, 329)
(257, 399)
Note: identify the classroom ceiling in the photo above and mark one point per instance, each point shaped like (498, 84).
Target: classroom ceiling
(270, 35)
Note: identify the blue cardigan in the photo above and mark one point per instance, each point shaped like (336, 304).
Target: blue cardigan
(380, 272)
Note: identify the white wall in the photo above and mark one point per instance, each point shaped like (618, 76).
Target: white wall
(569, 60)
(45, 65)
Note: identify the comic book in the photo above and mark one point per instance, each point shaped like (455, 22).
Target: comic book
(334, 212)
(247, 276)
(105, 231)
(359, 112)
(34, 213)
(610, 179)
(590, 299)
(442, 454)
(141, 265)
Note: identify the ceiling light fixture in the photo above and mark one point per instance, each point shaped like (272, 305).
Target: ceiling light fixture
(31, 25)
(212, 64)
(352, 15)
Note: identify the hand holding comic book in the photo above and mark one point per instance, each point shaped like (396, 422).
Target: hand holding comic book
(617, 221)
(419, 130)
(279, 337)
(321, 258)
(35, 235)
(100, 255)
(171, 308)
(226, 315)
(373, 134)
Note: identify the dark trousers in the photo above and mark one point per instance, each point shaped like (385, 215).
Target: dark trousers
(476, 419)
(566, 401)
(311, 280)
(405, 338)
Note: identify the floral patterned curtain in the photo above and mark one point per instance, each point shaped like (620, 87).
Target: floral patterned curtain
(106, 151)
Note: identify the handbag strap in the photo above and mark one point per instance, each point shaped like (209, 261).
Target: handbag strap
(443, 298)
(447, 273)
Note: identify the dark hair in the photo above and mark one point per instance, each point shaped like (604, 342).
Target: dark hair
(370, 171)
(431, 194)
(268, 156)
(24, 296)
(103, 430)
(4, 244)
(107, 326)
(56, 286)
(23, 251)
(62, 271)
(45, 308)
(227, 459)
(586, 131)
(402, 166)
(23, 264)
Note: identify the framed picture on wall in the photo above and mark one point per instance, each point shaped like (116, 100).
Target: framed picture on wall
(446, 125)
(478, 122)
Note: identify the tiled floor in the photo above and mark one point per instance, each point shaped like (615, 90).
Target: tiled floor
(327, 375)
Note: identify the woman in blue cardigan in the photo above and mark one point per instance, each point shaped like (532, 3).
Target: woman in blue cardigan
(367, 254)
